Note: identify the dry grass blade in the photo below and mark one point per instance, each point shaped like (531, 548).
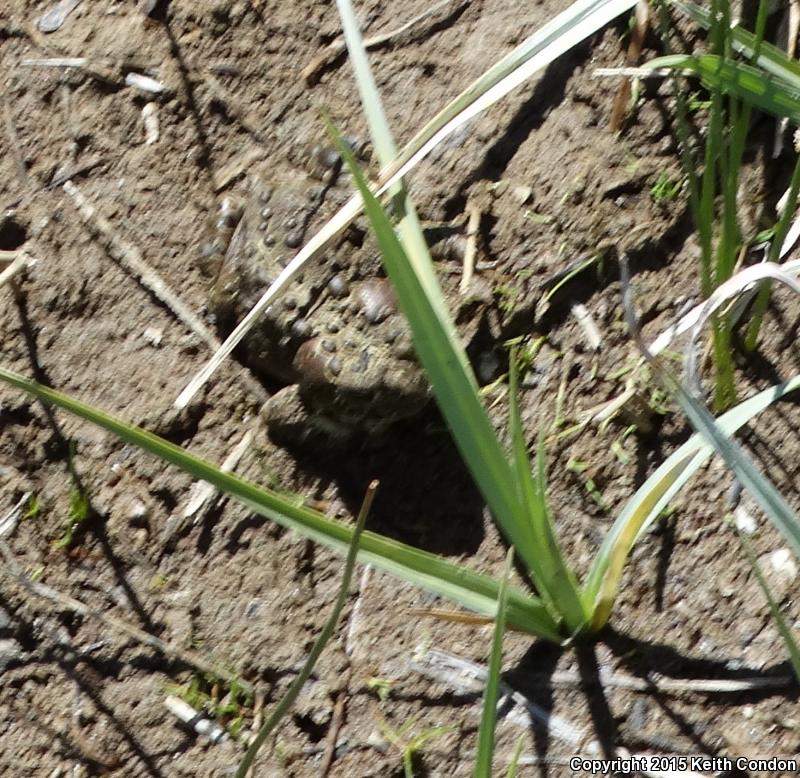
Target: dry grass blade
(741, 283)
(311, 72)
(638, 32)
(15, 263)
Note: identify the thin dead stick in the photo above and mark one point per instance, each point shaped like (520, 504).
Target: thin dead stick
(130, 258)
(471, 250)
(201, 494)
(9, 522)
(468, 677)
(311, 72)
(205, 491)
(659, 683)
(72, 171)
(98, 70)
(19, 261)
(76, 606)
(641, 16)
(333, 734)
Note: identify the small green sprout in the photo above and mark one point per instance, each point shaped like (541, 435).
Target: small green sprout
(538, 218)
(507, 297)
(666, 188)
(579, 467)
(695, 103)
(409, 747)
(159, 581)
(80, 510)
(36, 573)
(382, 687)
(34, 508)
(218, 700)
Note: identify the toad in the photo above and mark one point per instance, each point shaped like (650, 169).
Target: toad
(336, 338)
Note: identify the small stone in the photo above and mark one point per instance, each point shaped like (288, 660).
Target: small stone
(153, 336)
(137, 512)
(377, 741)
(744, 520)
(783, 563)
(10, 652)
(522, 194)
(254, 608)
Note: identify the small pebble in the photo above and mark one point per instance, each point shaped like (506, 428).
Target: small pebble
(137, 512)
(10, 652)
(744, 520)
(783, 563)
(153, 336)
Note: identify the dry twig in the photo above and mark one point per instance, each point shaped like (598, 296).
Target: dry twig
(471, 250)
(311, 72)
(15, 262)
(131, 259)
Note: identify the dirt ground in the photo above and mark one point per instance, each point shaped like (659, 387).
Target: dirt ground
(554, 186)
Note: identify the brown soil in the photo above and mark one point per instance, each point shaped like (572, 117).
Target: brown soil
(81, 699)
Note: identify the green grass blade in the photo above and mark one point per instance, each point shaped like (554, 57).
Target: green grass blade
(288, 700)
(780, 622)
(760, 487)
(515, 757)
(429, 571)
(602, 584)
(533, 494)
(483, 761)
(754, 86)
(445, 363)
(765, 55)
(408, 228)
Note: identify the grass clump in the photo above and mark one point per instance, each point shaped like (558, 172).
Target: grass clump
(741, 72)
